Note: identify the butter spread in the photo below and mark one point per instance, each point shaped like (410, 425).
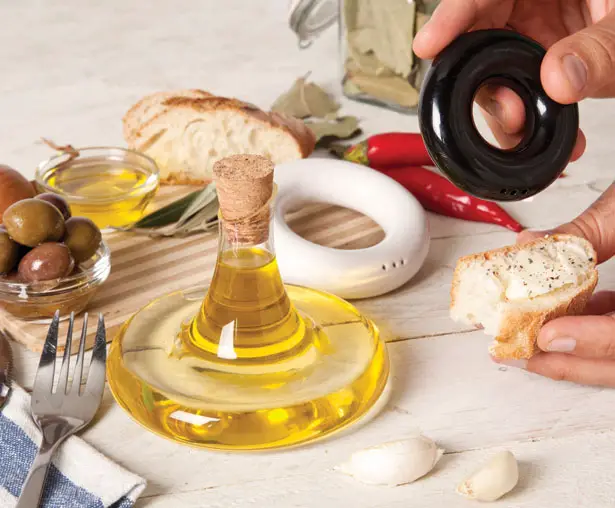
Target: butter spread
(538, 270)
(486, 287)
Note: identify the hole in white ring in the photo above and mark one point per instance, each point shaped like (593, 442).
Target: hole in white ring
(334, 226)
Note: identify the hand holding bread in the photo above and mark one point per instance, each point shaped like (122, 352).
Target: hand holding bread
(513, 291)
(572, 336)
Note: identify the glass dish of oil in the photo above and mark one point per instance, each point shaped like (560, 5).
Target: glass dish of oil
(248, 363)
(110, 186)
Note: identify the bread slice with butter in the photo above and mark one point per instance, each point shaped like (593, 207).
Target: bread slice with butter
(513, 291)
(187, 131)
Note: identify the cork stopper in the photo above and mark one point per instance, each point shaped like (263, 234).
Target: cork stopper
(244, 184)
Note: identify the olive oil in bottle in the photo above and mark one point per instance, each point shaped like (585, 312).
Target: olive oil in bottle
(250, 363)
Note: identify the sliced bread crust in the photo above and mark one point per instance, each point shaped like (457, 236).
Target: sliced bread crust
(157, 127)
(520, 323)
(152, 105)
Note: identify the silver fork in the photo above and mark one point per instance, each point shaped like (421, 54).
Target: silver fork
(64, 412)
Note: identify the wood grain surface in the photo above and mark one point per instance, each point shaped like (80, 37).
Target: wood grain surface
(145, 268)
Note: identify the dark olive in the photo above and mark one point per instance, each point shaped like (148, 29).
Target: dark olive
(82, 238)
(9, 252)
(31, 222)
(58, 201)
(48, 261)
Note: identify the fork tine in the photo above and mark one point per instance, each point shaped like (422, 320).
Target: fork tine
(75, 387)
(43, 382)
(63, 379)
(96, 376)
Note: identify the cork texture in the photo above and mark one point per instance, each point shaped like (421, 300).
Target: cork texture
(244, 184)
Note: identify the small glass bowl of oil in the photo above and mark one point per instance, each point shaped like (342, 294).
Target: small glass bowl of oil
(110, 186)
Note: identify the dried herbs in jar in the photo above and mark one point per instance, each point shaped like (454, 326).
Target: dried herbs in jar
(376, 37)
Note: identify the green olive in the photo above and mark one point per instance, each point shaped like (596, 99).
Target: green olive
(31, 222)
(9, 252)
(83, 238)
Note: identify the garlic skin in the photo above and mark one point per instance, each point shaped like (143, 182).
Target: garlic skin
(494, 479)
(394, 463)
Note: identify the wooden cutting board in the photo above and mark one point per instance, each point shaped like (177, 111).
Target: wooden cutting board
(143, 268)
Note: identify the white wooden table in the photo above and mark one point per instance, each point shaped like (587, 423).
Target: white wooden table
(69, 71)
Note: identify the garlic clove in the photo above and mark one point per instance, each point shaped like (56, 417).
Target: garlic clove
(394, 463)
(494, 479)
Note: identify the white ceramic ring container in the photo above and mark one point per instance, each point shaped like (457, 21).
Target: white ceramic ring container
(350, 274)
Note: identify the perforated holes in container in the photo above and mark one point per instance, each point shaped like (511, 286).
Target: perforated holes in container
(514, 192)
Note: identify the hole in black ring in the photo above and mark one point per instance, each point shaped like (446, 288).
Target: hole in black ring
(384, 268)
(484, 105)
(394, 264)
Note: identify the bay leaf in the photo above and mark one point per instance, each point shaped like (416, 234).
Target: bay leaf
(305, 100)
(350, 89)
(427, 6)
(344, 127)
(393, 89)
(350, 14)
(366, 64)
(319, 101)
(292, 102)
(421, 21)
(364, 17)
(394, 22)
(364, 40)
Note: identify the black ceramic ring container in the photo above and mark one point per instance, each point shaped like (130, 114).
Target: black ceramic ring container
(500, 57)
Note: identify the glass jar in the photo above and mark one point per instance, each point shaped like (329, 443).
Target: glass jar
(377, 63)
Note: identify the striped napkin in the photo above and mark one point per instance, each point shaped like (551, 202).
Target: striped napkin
(79, 476)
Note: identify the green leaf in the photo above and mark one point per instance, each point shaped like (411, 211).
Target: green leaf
(196, 212)
(167, 214)
(207, 196)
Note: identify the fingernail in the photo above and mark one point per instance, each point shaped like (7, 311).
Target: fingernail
(562, 345)
(575, 70)
(518, 364)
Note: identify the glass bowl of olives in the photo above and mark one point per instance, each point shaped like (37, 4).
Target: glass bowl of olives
(49, 260)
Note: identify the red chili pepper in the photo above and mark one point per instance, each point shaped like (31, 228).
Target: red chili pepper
(439, 195)
(388, 150)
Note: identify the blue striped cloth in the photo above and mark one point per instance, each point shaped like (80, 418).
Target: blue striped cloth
(79, 476)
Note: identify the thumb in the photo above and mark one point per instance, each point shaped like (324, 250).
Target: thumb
(596, 225)
(583, 64)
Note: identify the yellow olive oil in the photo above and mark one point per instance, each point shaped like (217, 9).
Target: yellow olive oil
(250, 364)
(111, 195)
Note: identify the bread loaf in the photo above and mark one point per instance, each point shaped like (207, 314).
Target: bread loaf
(187, 131)
(513, 291)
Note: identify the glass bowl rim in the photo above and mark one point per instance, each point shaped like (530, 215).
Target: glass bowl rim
(96, 274)
(148, 163)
